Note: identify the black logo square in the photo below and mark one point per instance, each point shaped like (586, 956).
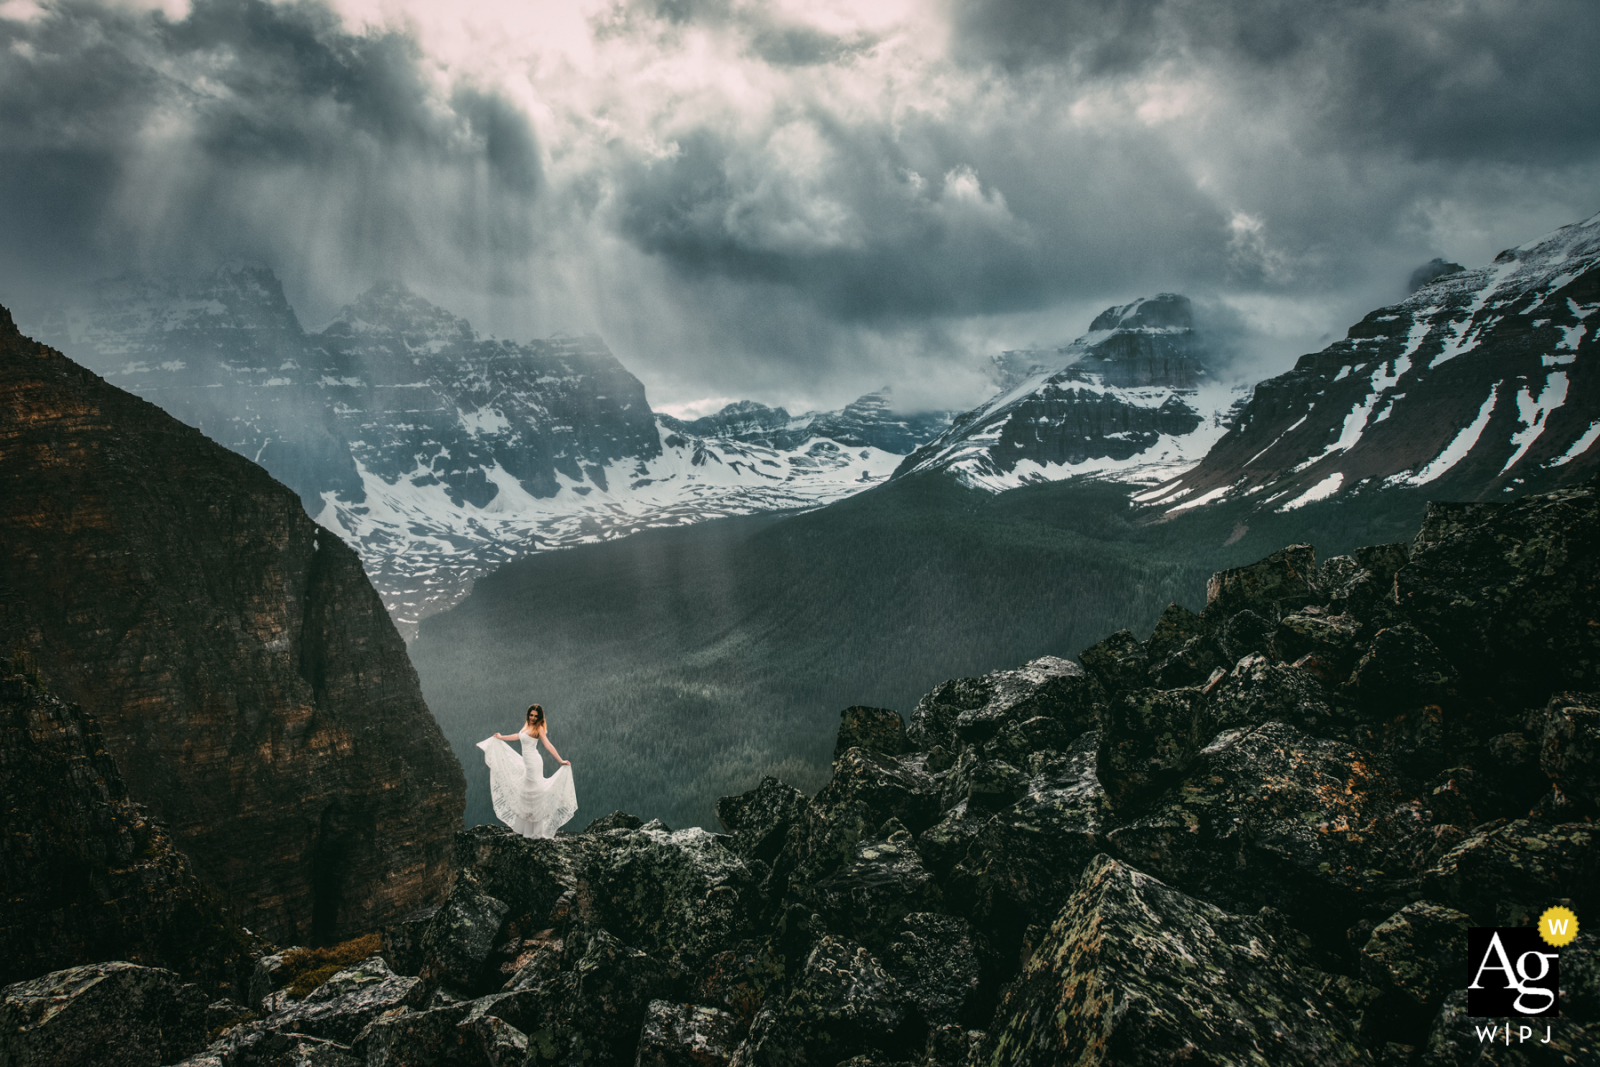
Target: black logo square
(1511, 972)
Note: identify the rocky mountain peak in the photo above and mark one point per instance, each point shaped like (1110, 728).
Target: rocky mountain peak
(1164, 311)
(391, 308)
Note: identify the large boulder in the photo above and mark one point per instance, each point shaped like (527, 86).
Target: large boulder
(1118, 662)
(969, 710)
(1403, 668)
(1508, 592)
(760, 819)
(1135, 972)
(1148, 739)
(115, 1014)
(938, 961)
(1414, 958)
(459, 936)
(430, 1038)
(1259, 691)
(843, 1003)
(342, 1007)
(682, 897)
(1316, 828)
(687, 1035)
(867, 898)
(1507, 873)
(866, 790)
(879, 729)
(1282, 583)
(1568, 732)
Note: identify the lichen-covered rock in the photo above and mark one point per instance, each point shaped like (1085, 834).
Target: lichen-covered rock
(878, 729)
(617, 820)
(1050, 687)
(933, 721)
(682, 897)
(867, 898)
(1415, 957)
(991, 784)
(502, 1044)
(1118, 662)
(1023, 863)
(1508, 591)
(1104, 987)
(1361, 585)
(615, 984)
(937, 961)
(760, 819)
(1313, 827)
(272, 1048)
(1403, 668)
(1282, 583)
(402, 944)
(1148, 739)
(1017, 741)
(460, 935)
(1192, 663)
(740, 979)
(1176, 628)
(1245, 633)
(404, 1038)
(1506, 873)
(1569, 744)
(1331, 640)
(530, 875)
(866, 790)
(945, 843)
(1257, 691)
(115, 1014)
(842, 1004)
(687, 1035)
(351, 1000)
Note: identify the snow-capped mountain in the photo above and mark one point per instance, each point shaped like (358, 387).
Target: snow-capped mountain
(1131, 400)
(440, 454)
(1482, 382)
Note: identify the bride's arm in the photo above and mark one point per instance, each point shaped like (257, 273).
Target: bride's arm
(503, 737)
(546, 739)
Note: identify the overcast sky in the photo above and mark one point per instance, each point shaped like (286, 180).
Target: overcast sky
(796, 202)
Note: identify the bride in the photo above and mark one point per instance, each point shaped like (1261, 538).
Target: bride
(524, 799)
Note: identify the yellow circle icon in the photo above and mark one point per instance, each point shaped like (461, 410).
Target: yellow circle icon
(1558, 926)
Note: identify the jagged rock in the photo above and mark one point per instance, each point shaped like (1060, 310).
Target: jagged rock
(1416, 957)
(1257, 691)
(687, 1035)
(88, 875)
(992, 784)
(1569, 744)
(530, 875)
(246, 677)
(878, 729)
(740, 978)
(342, 1007)
(950, 1045)
(271, 1048)
(615, 984)
(842, 1004)
(945, 843)
(682, 897)
(428, 1038)
(1310, 826)
(1509, 591)
(867, 898)
(503, 1045)
(1023, 863)
(617, 820)
(265, 978)
(117, 1014)
(402, 943)
(1278, 585)
(1176, 628)
(460, 934)
(1118, 662)
(1506, 873)
(866, 790)
(1048, 686)
(1148, 738)
(1136, 972)
(1191, 664)
(760, 819)
(1331, 639)
(1017, 741)
(933, 721)
(1244, 634)
(1361, 585)
(937, 961)
(657, 826)
(1403, 668)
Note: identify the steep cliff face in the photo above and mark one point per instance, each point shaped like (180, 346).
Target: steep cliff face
(88, 876)
(251, 688)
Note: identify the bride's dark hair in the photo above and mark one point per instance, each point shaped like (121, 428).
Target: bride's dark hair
(535, 716)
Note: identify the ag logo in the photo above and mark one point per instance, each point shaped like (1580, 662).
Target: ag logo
(1513, 972)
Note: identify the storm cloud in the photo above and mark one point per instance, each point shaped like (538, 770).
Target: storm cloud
(798, 202)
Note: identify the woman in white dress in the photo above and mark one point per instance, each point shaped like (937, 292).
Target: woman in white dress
(524, 799)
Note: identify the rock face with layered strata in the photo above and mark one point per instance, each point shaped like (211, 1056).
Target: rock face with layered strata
(249, 685)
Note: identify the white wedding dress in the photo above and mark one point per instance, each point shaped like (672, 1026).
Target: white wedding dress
(524, 799)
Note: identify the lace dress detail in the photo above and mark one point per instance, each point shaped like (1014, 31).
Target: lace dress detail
(524, 799)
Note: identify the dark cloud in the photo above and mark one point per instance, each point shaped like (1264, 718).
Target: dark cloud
(245, 129)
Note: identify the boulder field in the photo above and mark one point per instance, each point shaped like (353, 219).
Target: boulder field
(1257, 835)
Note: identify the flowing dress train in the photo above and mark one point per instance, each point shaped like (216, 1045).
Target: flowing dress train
(524, 799)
